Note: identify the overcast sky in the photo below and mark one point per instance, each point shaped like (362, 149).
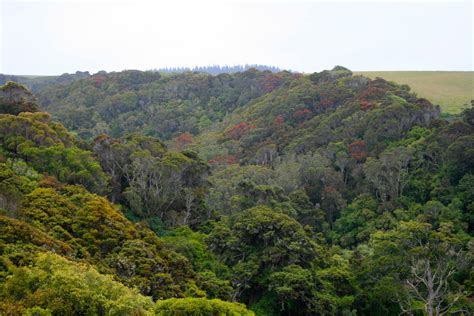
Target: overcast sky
(54, 37)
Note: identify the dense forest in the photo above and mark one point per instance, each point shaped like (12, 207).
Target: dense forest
(249, 193)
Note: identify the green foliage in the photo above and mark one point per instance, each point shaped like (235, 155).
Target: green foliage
(329, 75)
(99, 233)
(49, 148)
(212, 274)
(54, 285)
(460, 157)
(259, 242)
(154, 182)
(15, 98)
(357, 222)
(269, 237)
(410, 262)
(199, 307)
(16, 179)
(15, 233)
(293, 286)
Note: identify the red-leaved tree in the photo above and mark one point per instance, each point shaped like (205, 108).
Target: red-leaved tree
(302, 115)
(223, 160)
(98, 80)
(239, 130)
(279, 120)
(182, 140)
(358, 150)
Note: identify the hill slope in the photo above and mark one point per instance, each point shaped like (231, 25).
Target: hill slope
(452, 90)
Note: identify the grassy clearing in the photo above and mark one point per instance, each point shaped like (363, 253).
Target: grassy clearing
(452, 90)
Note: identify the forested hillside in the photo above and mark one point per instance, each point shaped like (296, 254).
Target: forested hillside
(140, 193)
(36, 83)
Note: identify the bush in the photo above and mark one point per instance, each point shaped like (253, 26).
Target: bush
(199, 307)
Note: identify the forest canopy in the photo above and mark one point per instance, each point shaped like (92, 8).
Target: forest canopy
(254, 192)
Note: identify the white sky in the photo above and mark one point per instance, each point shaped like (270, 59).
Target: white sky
(53, 37)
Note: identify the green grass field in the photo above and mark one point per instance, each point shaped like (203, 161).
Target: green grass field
(452, 90)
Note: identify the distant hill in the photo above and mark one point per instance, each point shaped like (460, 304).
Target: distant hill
(153, 103)
(36, 83)
(216, 69)
(452, 90)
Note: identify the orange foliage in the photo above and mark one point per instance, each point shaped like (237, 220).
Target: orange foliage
(98, 80)
(326, 103)
(279, 120)
(183, 140)
(366, 105)
(330, 189)
(272, 81)
(358, 150)
(223, 160)
(50, 182)
(302, 115)
(239, 130)
(372, 93)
